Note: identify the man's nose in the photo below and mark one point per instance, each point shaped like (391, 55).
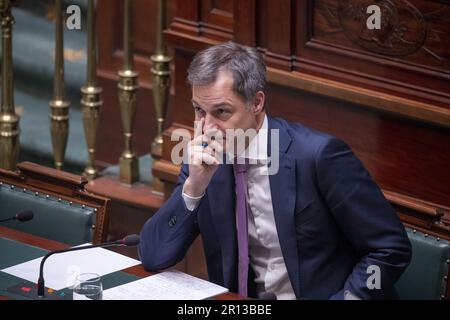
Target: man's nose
(209, 123)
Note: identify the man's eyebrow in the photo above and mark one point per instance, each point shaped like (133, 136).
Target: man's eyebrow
(214, 106)
(221, 104)
(194, 103)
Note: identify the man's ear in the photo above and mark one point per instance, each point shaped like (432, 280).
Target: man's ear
(258, 102)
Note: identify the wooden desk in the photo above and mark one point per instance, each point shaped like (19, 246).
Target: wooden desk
(53, 245)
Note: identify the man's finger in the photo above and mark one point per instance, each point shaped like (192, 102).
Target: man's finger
(197, 141)
(197, 151)
(195, 156)
(198, 131)
(200, 150)
(209, 159)
(216, 146)
(201, 158)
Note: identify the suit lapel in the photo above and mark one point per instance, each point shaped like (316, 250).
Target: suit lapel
(221, 198)
(283, 191)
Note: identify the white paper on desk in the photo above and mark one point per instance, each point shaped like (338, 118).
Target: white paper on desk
(60, 270)
(169, 285)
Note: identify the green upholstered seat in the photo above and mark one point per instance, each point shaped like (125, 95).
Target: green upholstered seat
(54, 218)
(426, 276)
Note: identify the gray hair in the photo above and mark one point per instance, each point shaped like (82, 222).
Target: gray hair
(245, 64)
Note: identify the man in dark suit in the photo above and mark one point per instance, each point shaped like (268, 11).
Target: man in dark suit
(292, 211)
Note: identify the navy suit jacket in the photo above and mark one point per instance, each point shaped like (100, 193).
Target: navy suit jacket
(332, 220)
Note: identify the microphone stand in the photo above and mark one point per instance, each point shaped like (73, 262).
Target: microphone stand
(30, 290)
(41, 282)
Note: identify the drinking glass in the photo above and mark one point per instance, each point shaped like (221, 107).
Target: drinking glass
(88, 286)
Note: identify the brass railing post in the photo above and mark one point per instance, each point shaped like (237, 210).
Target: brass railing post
(91, 100)
(9, 121)
(161, 87)
(128, 84)
(59, 106)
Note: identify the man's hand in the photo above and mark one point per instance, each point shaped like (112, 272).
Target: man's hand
(203, 155)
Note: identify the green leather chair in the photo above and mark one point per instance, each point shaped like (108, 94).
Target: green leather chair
(54, 218)
(426, 277)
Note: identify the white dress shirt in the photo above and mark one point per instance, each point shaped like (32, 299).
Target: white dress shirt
(266, 257)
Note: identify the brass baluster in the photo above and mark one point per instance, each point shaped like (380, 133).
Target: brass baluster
(91, 100)
(59, 106)
(161, 87)
(128, 84)
(9, 121)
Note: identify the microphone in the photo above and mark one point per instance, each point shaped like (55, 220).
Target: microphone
(267, 296)
(22, 216)
(130, 240)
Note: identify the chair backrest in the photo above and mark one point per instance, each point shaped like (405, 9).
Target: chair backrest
(426, 278)
(63, 210)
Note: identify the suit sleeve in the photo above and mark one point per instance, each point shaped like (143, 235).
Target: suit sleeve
(366, 219)
(167, 235)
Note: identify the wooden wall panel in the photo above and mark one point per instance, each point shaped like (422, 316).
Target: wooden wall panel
(218, 13)
(417, 31)
(278, 34)
(188, 10)
(402, 155)
(408, 57)
(245, 22)
(204, 18)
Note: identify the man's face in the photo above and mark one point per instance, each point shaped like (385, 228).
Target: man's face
(221, 108)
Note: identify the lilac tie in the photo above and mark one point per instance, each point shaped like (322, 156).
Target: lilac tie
(241, 225)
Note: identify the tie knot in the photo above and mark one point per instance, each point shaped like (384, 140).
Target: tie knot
(240, 165)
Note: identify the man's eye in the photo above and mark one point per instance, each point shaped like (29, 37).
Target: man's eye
(198, 109)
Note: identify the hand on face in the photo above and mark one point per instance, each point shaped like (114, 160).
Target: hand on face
(218, 108)
(204, 155)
